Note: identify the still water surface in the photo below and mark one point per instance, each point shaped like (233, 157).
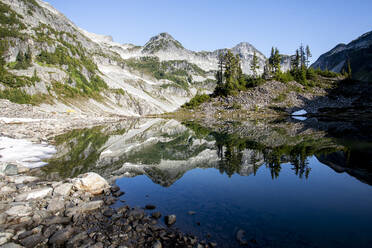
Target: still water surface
(284, 185)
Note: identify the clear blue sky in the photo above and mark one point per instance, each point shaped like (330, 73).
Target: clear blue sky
(212, 24)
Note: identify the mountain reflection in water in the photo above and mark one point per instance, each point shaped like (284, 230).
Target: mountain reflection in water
(165, 149)
(279, 181)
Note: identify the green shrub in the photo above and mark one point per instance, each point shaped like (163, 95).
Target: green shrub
(196, 101)
(326, 73)
(284, 77)
(19, 96)
(251, 82)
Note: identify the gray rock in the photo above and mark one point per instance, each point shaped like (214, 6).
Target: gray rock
(34, 194)
(40, 215)
(8, 189)
(157, 244)
(5, 237)
(63, 190)
(25, 234)
(89, 206)
(32, 240)
(56, 220)
(56, 205)
(24, 179)
(9, 169)
(156, 215)
(2, 218)
(137, 214)
(108, 212)
(11, 245)
(115, 188)
(19, 211)
(170, 219)
(50, 230)
(61, 236)
(77, 238)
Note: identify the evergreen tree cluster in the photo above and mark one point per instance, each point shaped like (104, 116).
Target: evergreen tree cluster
(274, 61)
(230, 78)
(300, 70)
(23, 60)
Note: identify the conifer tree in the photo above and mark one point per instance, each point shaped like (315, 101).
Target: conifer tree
(254, 65)
(271, 59)
(308, 55)
(349, 75)
(276, 61)
(297, 60)
(302, 55)
(28, 57)
(221, 64)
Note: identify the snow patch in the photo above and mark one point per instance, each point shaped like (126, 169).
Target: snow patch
(300, 118)
(24, 152)
(299, 112)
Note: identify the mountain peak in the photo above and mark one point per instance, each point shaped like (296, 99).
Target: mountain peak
(246, 49)
(162, 41)
(243, 44)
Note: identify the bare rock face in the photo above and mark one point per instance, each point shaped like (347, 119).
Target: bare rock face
(91, 182)
(357, 53)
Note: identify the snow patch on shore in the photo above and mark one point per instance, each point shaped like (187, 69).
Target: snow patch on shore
(299, 112)
(24, 152)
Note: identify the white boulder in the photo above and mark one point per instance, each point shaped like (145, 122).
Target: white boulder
(91, 182)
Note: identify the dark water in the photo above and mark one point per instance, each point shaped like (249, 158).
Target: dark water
(284, 184)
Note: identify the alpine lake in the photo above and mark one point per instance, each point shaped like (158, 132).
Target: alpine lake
(250, 183)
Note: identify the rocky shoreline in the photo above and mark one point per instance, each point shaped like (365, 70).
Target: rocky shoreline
(76, 213)
(24, 121)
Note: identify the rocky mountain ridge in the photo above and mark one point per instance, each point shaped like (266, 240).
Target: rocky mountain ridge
(358, 53)
(73, 70)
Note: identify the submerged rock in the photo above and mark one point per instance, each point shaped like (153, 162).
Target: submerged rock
(156, 215)
(170, 219)
(240, 236)
(150, 207)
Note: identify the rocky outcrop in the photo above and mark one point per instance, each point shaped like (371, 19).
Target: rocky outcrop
(358, 53)
(64, 214)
